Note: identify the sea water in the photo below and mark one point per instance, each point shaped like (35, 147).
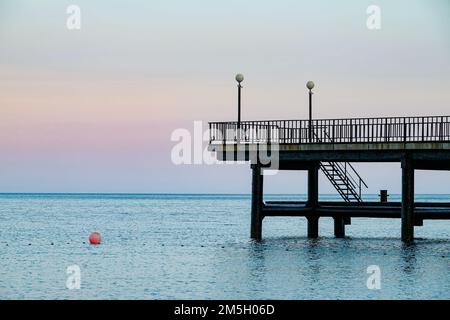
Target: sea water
(162, 246)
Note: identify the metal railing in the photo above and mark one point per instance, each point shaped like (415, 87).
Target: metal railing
(332, 131)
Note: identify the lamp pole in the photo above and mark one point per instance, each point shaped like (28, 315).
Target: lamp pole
(310, 86)
(239, 79)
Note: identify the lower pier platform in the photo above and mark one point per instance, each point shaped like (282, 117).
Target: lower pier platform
(342, 213)
(423, 211)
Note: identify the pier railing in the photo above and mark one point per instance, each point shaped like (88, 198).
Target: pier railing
(332, 131)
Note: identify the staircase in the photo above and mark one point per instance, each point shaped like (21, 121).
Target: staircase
(345, 180)
(342, 175)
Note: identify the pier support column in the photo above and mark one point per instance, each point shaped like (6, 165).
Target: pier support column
(339, 227)
(257, 202)
(407, 200)
(313, 200)
(313, 227)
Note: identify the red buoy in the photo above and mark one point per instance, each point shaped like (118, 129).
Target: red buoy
(95, 238)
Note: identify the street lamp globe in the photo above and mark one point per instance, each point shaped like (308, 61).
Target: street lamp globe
(310, 85)
(239, 78)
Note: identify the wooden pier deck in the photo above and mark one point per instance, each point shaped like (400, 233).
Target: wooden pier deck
(330, 145)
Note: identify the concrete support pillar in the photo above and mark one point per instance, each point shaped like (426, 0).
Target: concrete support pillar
(313, 200)
(407, 200)
(257, 202)
(313, 226)
(339, 227)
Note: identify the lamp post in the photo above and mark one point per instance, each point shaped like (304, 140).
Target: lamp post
(310, 86)
(239, 79)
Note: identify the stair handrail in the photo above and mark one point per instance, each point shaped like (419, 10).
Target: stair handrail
(351, 166)
(344, 170)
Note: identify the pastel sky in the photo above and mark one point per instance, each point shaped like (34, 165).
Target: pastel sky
(92, 110)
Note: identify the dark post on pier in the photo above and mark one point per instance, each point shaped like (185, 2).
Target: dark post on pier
(310, 86)
(329, 147)
(239, 79)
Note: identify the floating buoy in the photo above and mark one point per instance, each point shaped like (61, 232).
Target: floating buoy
(95, 238)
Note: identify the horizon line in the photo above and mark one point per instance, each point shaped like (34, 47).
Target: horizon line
(182, 193)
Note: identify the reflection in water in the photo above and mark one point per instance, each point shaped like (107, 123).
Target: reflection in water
(314, 270)
(408, 254)
(304, 268)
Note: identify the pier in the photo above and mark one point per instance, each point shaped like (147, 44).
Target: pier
(331, 146)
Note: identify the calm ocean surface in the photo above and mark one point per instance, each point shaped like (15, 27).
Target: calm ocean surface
(198, 247)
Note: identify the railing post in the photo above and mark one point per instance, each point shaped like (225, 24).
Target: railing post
(210, 132)
(333, 129)
(224, 133)
(385, 130)
(404, 130)
(423, 129)
(351, 130)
